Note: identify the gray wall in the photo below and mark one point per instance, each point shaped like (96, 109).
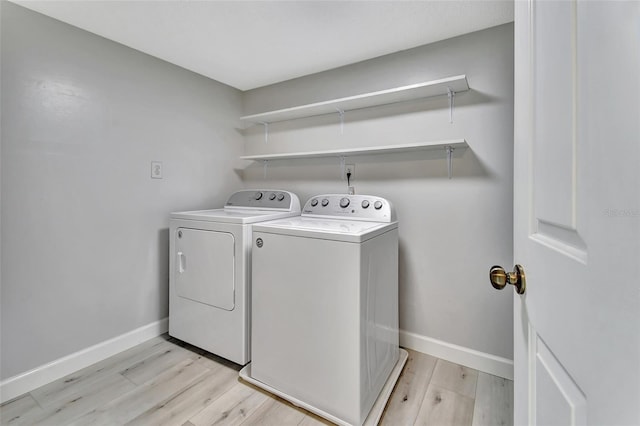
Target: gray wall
(84, 227)
(451, 231)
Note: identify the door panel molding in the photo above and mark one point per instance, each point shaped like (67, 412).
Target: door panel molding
(551, 379)
(554, 109)
(562, 240)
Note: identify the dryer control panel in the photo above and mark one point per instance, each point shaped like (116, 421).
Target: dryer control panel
(264, 199)
(352, 207)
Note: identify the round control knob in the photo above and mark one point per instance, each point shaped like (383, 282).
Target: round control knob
(344, 202)
(314, 202)
(365, 204)
(280, 197)
(272, 196)
(258, 195)
(325, 202)
(377, 205)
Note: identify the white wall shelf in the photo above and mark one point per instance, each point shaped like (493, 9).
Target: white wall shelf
(351, 152)
(446, 86)
(448, 146)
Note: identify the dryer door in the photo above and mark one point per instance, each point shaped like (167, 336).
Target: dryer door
(205, 267)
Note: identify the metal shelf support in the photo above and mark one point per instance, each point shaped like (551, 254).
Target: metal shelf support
(451, 95)
(449, 150)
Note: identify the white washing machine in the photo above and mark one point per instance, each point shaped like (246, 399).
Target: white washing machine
(325, 306)
(210, 270)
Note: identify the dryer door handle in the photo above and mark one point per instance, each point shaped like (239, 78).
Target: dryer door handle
(182, 262)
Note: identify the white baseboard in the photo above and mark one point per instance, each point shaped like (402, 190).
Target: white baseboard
(487, 363)
(33, 379)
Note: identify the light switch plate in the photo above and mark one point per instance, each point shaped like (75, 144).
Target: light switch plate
(156, 170)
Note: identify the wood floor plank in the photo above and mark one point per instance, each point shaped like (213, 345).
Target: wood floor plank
(131, 404)
(208, 359)
(456, 378)
(408, 394)
(311, 419)
(59, 392)
(20, 411)
(148, 368)
(83, 399)
(443, 407)
(275, 412)
(493, 402)
(183, 405)
(232, 408)
(205, 356)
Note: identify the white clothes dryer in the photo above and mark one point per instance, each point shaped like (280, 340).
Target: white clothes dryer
(325, 307)
(210, 270)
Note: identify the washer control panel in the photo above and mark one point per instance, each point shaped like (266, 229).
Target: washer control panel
(264, 199)
(353, 207)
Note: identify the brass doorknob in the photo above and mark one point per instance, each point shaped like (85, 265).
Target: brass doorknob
(499, 278)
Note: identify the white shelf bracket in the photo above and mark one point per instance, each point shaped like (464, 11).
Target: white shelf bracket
(341, 113)
(449, 150)
(265, 164)
(266, 131)
(452, 95)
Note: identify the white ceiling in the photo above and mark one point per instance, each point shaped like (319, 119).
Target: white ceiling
(248, 44)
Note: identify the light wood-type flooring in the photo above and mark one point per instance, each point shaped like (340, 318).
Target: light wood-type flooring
(166, 382)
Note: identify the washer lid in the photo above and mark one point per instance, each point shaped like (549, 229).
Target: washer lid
(241, 216)
(327, 229)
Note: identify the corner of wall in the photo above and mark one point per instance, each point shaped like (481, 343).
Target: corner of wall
(487, 363)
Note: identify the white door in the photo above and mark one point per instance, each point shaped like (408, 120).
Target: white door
(204, 270)
(577, 212)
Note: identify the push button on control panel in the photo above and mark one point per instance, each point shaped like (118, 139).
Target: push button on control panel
(344, 202)
(258, 195)
(377, 205)
(365, 204)
(280, 197)
(272, 196)
(314, 202)
(325, 202)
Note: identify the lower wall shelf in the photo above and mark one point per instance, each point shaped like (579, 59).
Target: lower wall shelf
(448, 146)
(350, 152)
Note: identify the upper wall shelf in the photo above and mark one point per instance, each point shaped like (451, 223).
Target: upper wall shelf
(350, 152)
(399, 94)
